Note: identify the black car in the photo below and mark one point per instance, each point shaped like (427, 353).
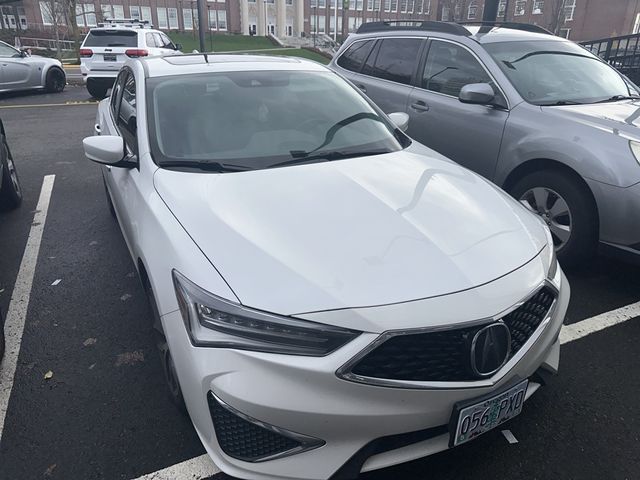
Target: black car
(10, 191)
(10, 196)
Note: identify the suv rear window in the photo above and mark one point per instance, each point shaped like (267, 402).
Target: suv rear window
(355, 56)
(111, 38)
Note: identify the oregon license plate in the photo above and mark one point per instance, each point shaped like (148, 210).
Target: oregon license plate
(484, 415)
(109, 57)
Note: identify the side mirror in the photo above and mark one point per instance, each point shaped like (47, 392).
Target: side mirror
(107, 150)
(24, 54)
(400, 120)
(477, 94)
(178, 47)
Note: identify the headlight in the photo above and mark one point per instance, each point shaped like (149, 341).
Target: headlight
(215, 322)
(635, 149)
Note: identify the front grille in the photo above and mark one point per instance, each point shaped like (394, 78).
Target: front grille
(245, 440)
(444, 356)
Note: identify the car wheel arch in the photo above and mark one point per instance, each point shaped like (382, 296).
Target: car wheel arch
(538, 164)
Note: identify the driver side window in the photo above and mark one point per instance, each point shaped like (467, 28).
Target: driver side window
(450, 67)
(127, 117)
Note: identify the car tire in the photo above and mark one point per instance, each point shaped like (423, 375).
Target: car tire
(168, 367)
(97, 91)
(10, 189)
(112, 210)
(56, 80)
(575, 233)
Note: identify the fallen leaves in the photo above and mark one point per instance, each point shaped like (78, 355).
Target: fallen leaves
(130, 358)
(89, 341)
(48, 375)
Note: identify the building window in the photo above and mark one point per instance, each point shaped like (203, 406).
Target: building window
(173, 18)
(134, 12)
(412, 6)
(322, 4)
(289, 3)
(270, 1)
(394, 5)
(569, 10)
(85, 15)
(118, 12)
(213, 20)
(521, 6)
(472, 11)
(359, 5)
(321, 24)
(565, 32)
(420, 5)
(146, 14)
(45, 11)
(222, 20)
(502, 8)
(376, 5)
(427, 7)
(538, 7)
(387, 6)
(403, 5)
(187, 18)
(23, 18)
(445, 13)
(370, 5)
(162, 18)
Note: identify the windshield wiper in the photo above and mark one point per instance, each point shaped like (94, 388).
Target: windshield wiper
(617, 98)
(560, 103)
(302, 157)
(207, 165)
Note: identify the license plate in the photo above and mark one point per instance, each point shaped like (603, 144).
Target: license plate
(109, 58)
(484, 415)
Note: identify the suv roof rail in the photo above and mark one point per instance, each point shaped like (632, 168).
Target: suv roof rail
(429, 25)
(526, 27)
(125, 22)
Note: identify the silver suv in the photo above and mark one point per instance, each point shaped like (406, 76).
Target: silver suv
(106, 48)
(538, 115)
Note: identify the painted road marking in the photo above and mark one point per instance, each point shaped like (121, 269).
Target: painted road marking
(19, 303)
(591, 325)
(194, 469)
(65, 104)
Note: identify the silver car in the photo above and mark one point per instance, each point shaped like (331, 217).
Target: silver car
(538, 115)
(21, 71)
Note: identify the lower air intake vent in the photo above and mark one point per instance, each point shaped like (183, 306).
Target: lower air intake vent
(250, 440)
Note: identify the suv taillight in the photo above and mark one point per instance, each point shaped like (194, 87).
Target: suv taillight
(86, 52)
(136, 52)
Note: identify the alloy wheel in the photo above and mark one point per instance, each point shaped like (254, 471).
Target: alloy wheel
(553, 209)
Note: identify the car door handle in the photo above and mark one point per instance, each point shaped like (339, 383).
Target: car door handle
(420, 106)
(96, 128)
(362, 88)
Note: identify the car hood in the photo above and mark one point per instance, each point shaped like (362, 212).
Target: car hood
(353, 233)
(615, 117)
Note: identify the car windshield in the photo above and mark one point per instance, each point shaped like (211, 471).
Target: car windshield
(558, 73)
(259, 119)
(111, 38)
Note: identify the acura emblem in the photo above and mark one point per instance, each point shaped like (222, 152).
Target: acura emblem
(490, 349)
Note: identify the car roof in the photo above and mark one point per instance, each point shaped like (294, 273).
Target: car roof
(188, 64)
(480, 34)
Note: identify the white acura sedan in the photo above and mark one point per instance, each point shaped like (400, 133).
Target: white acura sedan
(330, 297)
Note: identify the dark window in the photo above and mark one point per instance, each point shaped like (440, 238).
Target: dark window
(355, 56)
(396, 59)
(450, 67)
(127, 123)
(111, 38)
(115, 94)
(151, 40)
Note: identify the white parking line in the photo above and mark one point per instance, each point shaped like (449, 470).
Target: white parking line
(591, 325)
(202, 467)
(19, 303)
(194, 469)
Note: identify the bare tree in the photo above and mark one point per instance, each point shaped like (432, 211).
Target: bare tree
(62, 17)
(556, 16)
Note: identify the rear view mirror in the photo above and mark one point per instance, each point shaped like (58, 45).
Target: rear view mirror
(477, 94)
(400, 120)
(104, 149)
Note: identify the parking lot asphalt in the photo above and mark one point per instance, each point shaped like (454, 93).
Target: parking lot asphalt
(104, 414)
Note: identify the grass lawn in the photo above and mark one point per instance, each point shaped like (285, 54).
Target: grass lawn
(221, 43)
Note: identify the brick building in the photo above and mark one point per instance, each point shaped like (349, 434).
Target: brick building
(575, 19)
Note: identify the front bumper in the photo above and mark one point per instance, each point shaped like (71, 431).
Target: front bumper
(619, 215)
(304, 395)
